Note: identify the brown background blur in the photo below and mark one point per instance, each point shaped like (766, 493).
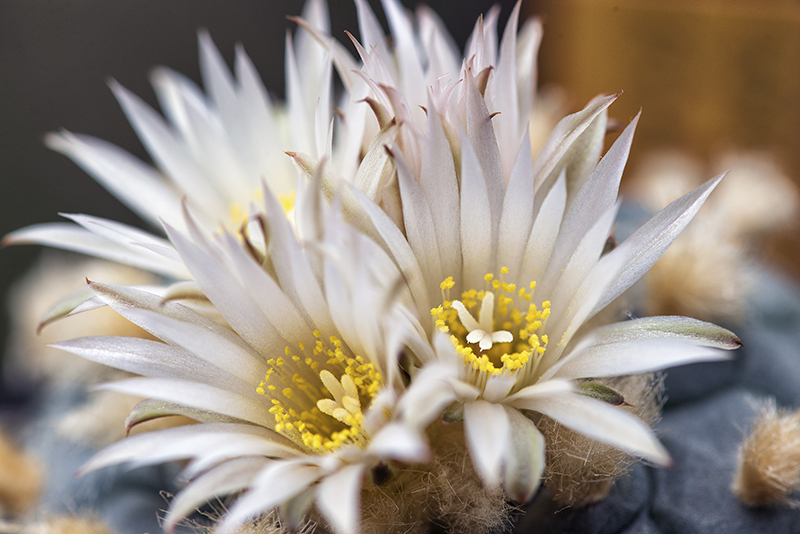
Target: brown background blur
(708, 76)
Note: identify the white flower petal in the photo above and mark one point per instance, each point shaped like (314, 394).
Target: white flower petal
(419, 225)
(438, 181)
(591, 203)
(584, 257)
(399, 249)
(398, 442)
(228, 296)
(540, 389)
(602, 422)
(497, 387)
(429, 394)
(517, 218)
(275, 485)
(561, 141)
(77, 239)
(152, 359)
(486, 427)
(543, 234)
(643, 248)
(213, 344)
(672, 326)
(630, 357)
(224, 479)
(168, 152)
(177, 443)
(483, 141)
(137, 185)
(196, 395)
(524, 457)
(503, 95)
(477, 241)
(338, 498)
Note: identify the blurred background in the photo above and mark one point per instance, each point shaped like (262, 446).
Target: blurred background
(709, 76)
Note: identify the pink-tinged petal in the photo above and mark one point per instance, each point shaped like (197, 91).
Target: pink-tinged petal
(230, 477)
(503, 97)
(411, 76)
(630, 357)
(528, 41)
(643, 248)
(524, 457)
(444, 56)
(276, 484)
(482, 43)
(486, 427)
(370, 29)
(481, 134)
(602, 422)
(376, 168)
(338, 498)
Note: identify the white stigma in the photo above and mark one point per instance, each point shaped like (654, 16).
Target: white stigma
(345, 403)
(481, 332)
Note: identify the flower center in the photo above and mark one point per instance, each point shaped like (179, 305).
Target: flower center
(507, 335)
(300, 385)
(239, 214)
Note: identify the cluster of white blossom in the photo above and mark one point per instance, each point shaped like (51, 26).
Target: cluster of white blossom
(410, 264)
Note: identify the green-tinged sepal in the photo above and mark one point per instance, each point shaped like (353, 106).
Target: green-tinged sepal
(454, 413)
(150, 409)
(599, 391)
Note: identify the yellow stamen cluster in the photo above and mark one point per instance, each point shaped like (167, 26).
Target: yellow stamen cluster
(300, 385)
(514, 312)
